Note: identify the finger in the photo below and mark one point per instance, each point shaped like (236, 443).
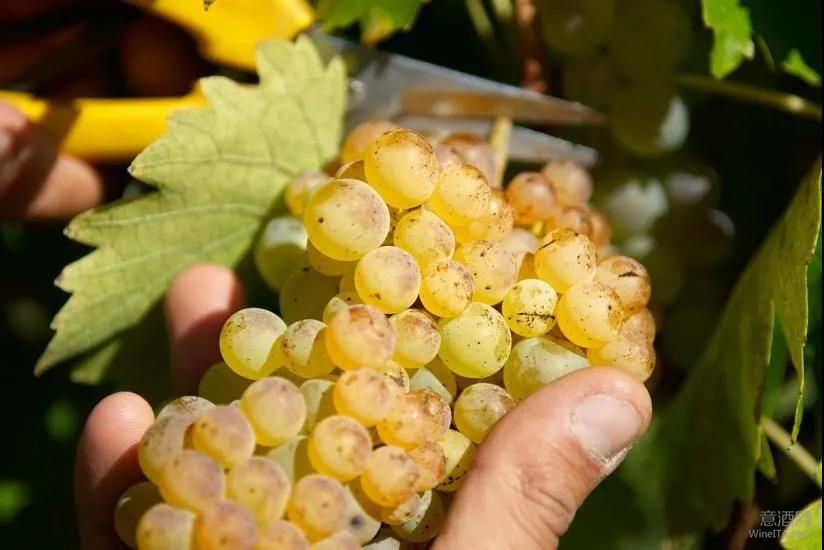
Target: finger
(198, 303)
(37, 183)
(542, 460)
(107, 465)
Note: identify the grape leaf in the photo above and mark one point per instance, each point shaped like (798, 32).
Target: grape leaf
(732, 35)
(804, 533)
(218, 171)
(378, 18)
(700, 455)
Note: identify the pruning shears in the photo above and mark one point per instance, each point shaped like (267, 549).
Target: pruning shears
(418, 95)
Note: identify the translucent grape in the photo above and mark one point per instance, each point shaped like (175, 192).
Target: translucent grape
(474, 150)
(162, 441)
(629, 279)
(447, 155)
(281, 535)
(396, 375)
(425, 236)
(339, 447)
(358, 140)
(293, 458)
(494, 269)
(345, 219)
(300, 188)
(131, 506)
(495, 225)
(341, 301)
(417, 339)
(319, 506)
(390, 476)
(224, 434)
(576, 218)
(476, 343)
(318, 395)
(531, 197)
(192, 480)
(325, 265)
(529, 307)
(520, 242)
(478, 409)
(462, 194)
(459, 452)
(642, 322)
(631, 352)
(166, 528)
(574, 27)
(275, 409)
(431, 462)
(565, 258)
(388, 278)
(305, 294)
(281, 245)
(187, 406)
(352, 170)
(447, 288)
(247, 339)
(535, 362)
(363, 394)
(601, 231)
(650, 119)
(364, 515)
(401, 513)
(260, 485)
(225, 526)
(402, 167)
(415, 417)
(360, 336)
(343, 540)
(387, 539)
(222, 385)
(590, 314)
(428, 519)
(302, 349)
(527, 270)
(571, 182)
(443, 383)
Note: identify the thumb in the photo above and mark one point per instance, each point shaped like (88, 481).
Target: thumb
(541, 461)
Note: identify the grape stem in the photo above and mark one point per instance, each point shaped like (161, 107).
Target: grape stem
(794, 450)
(789, 103)
(499, 140)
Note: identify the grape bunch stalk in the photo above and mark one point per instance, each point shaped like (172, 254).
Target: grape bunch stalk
(404, 279)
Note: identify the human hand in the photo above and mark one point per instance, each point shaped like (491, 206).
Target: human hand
(529, 477)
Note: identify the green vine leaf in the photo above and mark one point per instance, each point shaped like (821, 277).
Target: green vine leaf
(732, 41)
(804, 533)
(218, 172)
(378, 19)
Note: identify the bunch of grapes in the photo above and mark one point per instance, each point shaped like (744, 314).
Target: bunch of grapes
(403, 280)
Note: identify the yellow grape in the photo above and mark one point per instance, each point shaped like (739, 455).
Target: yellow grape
(347, 283)
(342, 540)
(305, 294)
(319, 506)
(428, 519)
(417, 339)
(565, 258)
(360, 336)
(631, 352)
(192, 480)
(476, 343)
(479, 408)
(535, 362)
(226, 525)
(341, 301)
(281, 535)
(187, 406)
(390, 477)
(345, 219)
(162, 441)
(529, 307)
(402, 167)
(495, 225)
(325, 265)
(521, 241)
(573, 217)
(474, 150)
(571, 181)
(431, 462)
(494, 269)
(446, 288)
(247, 338)
(352, 170)
(302, 349)
(300, 188)
(260, 485)
(447, 155)
(222, 385)
(401, 513)
(293, 458)
(388, 278)
(590, 314)
(363, 394)
(132, 504)
(275, 409)
(531, 197)
(339, 447)
(425, 236)
(281, 245)
(629, 279)
(396, 375)
(459, 452)
(643, 322)
(224, 434)
(319, 399)
(601, 230)
(164, 527)
(356, 142)
(527, 269)
(415, 417)
(462, 195)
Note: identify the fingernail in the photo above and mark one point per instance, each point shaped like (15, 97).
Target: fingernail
(605, 426)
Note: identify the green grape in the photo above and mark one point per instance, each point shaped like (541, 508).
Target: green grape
(401, 513)
(591, 80)
(494, 269)
(476, 343)
(358, 140)
(447, 288)
(629, 279)
(649, 119)
(402, 167)
(280, 246)
(281, 535)
(293, 458)
(703, 239)
(345, 219)
(339, 447)
(415, 417)
(224, 434)
(318, 395)
(431, 462)
(363, 394)
(221, 385)
(303, 350)
(417, 339)
(343, 540)
(300, 188)
(388, 278)
(428, 519)
(305, 293)
(390, 476)
(261, 486)
(193, 481)
(246, 340)
(425, 236)
(461, 196)
(325, 265)
(459, 452)
(132, 504)
(319, 506)
(364, 515)
(535, 362)
(443, 383)
(590, 314)
(479, 408)
(565, 258)
(275, 409)
(164, 527)
(529, 307)
(386, 539)
(360, 336)
(225, 525)
(575, 27)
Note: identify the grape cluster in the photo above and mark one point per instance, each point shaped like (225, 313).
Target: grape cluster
(403, 280)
